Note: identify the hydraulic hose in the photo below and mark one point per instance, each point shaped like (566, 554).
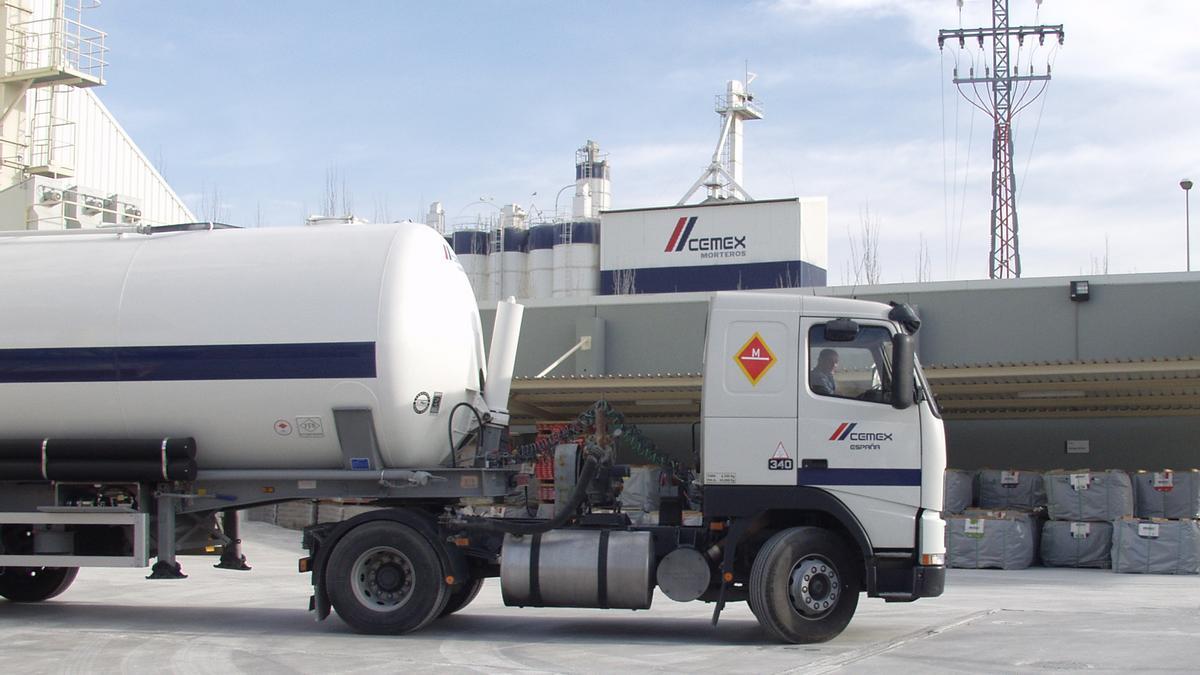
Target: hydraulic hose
(478, 433)
(578, 496)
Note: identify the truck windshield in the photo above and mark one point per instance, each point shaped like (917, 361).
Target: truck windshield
(858, 369)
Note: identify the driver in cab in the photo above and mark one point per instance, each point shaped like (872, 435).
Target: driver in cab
(821, 378)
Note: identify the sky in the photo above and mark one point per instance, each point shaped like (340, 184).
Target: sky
(249, 108)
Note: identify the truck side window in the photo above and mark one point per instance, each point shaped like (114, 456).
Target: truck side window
(858, 369)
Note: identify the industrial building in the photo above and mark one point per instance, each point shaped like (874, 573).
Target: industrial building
(65, 161)
(1020, 367)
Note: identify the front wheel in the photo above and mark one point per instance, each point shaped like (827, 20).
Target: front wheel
(34, 584)
(804, 586)
(385, 578)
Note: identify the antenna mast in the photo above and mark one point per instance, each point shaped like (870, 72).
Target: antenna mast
(1004, 79)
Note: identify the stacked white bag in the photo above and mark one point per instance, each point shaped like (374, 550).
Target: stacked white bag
(1011, 489)
(1082, 505)
(1003, 531)
(982, 538)
(958, 491)
(1164, 538)
(1167, 494)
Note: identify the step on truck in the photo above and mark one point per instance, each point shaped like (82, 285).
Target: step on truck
(154, 382)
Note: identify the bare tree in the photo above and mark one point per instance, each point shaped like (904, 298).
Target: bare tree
(337, 200)
(924, 266)
(864, 264)
(1100, 266)
(212, 210)
(624, 282)
(787, 279)
(382, 213)
(160, 162)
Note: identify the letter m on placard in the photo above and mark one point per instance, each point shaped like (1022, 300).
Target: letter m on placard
(755, 358)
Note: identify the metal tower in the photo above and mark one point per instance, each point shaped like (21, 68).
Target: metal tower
(723, 177)
(1004, 79)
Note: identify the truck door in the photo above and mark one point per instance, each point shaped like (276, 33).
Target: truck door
(750, 397)
(852, 441)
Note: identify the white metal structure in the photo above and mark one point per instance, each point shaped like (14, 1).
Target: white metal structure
(48, 51)
(436, 217)
(332, 312)
(723, 177)
(506, 255)
(593, 182)
(65, 162)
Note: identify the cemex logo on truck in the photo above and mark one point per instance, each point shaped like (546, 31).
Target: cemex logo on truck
(727, 246)
(846, 432)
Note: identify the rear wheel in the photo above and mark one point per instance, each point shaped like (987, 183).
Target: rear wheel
(804, 586)
(462, 597)
(385, 578)
(34, 584)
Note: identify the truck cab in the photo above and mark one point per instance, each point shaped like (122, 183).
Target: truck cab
(823, 448)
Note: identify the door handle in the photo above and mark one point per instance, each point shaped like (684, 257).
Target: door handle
(814, 464)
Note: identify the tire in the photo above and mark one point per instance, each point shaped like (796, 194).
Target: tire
(35, 584)
(462, 597)
(385, 578)
(804, 586)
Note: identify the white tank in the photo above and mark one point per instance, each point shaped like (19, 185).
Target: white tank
(245, 340)
(577, 260)
(471, 247)
(506, 263)
(540, 263)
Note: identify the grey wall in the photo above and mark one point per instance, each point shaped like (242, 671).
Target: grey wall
(639, 338)
(1116, 443)
(1128, 317)
(1025, 320)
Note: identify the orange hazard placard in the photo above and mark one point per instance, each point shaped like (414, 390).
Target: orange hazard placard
(755, 358)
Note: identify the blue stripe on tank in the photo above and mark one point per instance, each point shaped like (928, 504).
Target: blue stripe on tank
(319, 360)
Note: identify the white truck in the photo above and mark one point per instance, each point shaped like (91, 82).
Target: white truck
(153, 381)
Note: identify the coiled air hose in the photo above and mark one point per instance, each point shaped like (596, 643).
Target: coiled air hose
(578, 496)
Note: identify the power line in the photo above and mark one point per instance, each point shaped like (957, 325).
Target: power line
(1003, 77)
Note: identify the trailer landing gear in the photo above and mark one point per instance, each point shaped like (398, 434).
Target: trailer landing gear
(231, 555)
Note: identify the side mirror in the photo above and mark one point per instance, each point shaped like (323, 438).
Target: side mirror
(841, 330)
(902, 371)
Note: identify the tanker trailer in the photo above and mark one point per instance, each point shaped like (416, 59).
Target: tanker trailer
(152, 380)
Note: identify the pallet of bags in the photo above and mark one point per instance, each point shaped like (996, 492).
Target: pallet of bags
(1068, 543)
(1167, 494)
(1010, 488)
(999, 539)
(1037, 517)
(958, 491)
(1083, 495)
(1156, 546)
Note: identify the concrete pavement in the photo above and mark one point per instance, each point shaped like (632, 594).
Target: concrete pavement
(219, 621)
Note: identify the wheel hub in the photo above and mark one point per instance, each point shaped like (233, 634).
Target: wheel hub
(383, 579)
(814, 587)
